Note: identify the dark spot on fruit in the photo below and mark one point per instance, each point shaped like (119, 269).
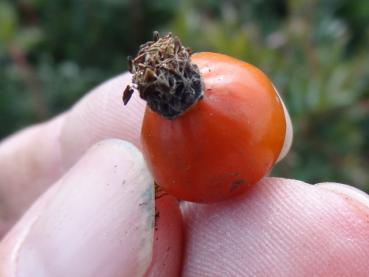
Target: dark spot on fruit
(236, 184)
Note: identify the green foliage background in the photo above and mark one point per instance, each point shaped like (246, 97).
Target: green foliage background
(316, 53)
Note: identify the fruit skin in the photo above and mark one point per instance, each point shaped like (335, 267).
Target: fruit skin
(225, 143)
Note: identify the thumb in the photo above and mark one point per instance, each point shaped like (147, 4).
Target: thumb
(280, 228)
(97, 220)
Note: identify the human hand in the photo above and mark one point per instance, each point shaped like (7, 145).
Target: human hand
(96, 218)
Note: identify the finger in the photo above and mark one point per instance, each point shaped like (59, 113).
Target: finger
(168, 239)
(33, 158)
(29, 161)
(101, 115)
(280, 228)
(95, 221)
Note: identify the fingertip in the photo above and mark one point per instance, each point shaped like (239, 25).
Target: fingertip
(97, 222)
(279, 219)
(347, 191)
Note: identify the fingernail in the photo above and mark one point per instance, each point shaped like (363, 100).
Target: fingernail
(346, 190)
(289, 130)
(98, 223)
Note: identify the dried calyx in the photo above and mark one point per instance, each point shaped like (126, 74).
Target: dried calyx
(165, 77)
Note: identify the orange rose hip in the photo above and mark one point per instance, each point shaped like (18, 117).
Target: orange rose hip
(213, 126)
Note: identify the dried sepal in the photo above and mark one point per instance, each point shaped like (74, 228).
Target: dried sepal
(165, 77)
(127, 94)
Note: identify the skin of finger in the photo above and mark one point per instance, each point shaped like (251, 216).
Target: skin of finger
(168, 239)
(98, 222)
(32, 154)
(100, 115)
(10, 244)
(41, 153)
(280, 228)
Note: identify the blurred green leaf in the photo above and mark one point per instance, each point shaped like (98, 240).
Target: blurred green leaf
(27, 38)
(8, 22)
(315, 52)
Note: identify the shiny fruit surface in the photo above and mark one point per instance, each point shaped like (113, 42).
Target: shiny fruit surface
(223, 144)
